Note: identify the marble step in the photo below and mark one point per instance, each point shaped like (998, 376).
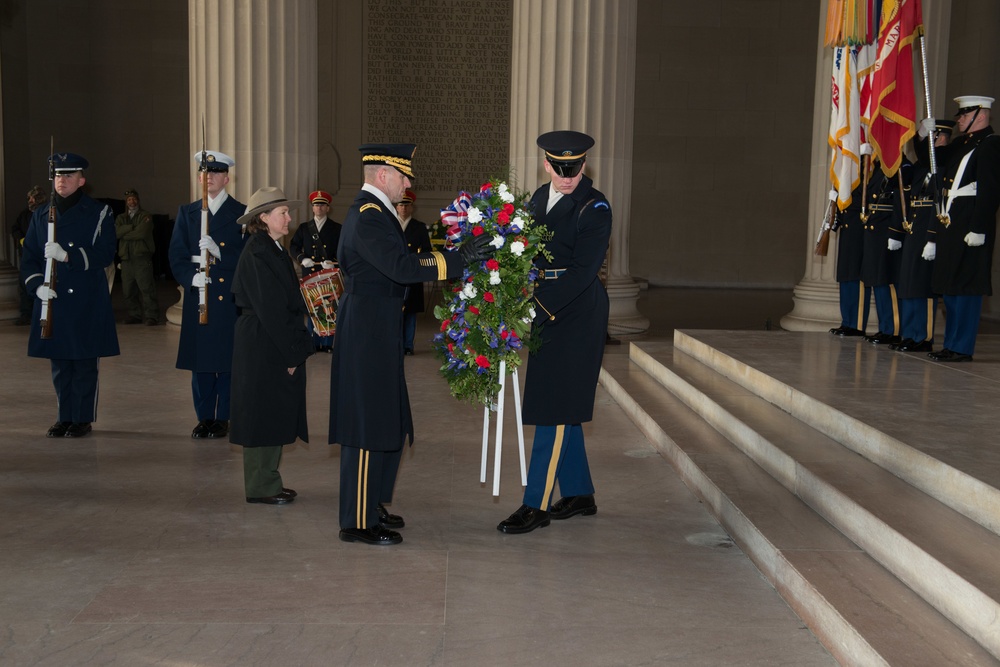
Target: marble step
(860, 611)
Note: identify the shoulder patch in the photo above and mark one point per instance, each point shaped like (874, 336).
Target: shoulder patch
(370, 205)
(602, 204)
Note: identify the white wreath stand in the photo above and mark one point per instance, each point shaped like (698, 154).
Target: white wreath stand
(499, 431)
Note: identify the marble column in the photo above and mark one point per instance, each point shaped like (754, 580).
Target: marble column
(253, 80)
(573, 67)
(816, 297)
(10, 306)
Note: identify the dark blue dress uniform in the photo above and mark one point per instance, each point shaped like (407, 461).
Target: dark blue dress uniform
(855, 296)
(207, 349)
(83, 325)
(369, 406)
(962, 273)
(879, 265)
(571, 318)
(319, 245)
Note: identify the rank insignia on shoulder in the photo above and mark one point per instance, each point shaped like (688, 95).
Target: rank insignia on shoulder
(370, 205)
(602, 204)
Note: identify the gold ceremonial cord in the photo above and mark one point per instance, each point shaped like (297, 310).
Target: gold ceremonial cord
(551, 316)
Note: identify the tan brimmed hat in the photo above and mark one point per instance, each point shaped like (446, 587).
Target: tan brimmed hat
(264, 200)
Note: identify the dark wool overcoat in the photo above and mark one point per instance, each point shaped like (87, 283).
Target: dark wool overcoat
(83, 324)
(268, 404)
(369, 406)
(960, 269)
(207, 348)
(316, 244)
(561, 376)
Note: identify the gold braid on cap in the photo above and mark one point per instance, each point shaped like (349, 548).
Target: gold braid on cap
(401, 163)
(565, 158)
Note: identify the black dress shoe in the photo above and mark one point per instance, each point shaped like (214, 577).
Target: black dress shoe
(201, 430)
(218, 429)
(948, 355)
(899, 346)
(408, 352)
(379, 535)
(847, 331)
(882, 339)
(279, 499)
(291, 493)
(913, 346)
(569, 506)
(389, 520)
(524, 520)
(78, 429)
(58, 429)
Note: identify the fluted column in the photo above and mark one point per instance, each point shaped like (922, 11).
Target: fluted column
(253, 80)
(817, 297)
(573, 67)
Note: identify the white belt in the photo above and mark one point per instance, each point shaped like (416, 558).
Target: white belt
(967, 190)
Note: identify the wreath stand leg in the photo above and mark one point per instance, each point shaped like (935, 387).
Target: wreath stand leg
(499, 431)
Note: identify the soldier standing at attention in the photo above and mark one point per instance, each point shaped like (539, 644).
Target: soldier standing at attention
(83, 325)
(571, 308)
(207, 349)
(135, 247)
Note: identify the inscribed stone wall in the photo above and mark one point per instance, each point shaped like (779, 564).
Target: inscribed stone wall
(437, 74)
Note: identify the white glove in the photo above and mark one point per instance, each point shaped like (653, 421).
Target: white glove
(866, 149)
(926, 128)
(209, 244)
(327, 264)
(307, 263)
(834, 195)
(973, 239)
(55, 251)
(894, 244)
(930, 251)
(200, 280)
(44, 293)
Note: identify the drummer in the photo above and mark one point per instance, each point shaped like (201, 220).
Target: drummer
(314, 246)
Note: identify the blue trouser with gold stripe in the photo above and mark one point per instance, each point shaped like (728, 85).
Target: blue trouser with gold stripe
(366, 479)
(917, 319)
(961, 322)
(557, 454)
(887, 309)
(855, 301)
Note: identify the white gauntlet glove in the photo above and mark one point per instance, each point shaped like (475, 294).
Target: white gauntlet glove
(307, 263)
(973, 239)
(327, 264)
(926, 128)
(209, 244)
(866, 149)
(55, 251)
(930, 251)
(894, 244)
(200, 280)
(44, 293)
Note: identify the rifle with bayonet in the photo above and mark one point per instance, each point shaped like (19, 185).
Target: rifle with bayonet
(45, 318)
(203, 267)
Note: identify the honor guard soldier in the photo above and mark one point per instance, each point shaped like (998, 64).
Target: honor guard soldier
(207, 349)
(883, 227)
(79, 304)
(314, 247)
(966, 232)
(855, 296)
(917, 303)
(369, 406)
(417, 240)
(571, 310)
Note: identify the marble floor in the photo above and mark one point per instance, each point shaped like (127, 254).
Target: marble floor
(134, 546)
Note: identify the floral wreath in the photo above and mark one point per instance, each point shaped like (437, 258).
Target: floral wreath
(488, 317)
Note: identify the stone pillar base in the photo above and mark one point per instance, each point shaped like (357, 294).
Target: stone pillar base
(625, 318)
(10, 300)
(176, 312)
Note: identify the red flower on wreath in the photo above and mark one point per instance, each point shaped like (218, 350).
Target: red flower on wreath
(503, 218)
(492, 264)
(478, 230)
(486, 186)
(473, 310)
(488, 296)
(482, 361)
(445, 324)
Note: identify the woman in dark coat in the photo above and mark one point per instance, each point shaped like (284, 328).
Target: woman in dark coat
(270, 348)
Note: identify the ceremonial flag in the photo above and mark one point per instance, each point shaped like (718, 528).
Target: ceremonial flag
(894, 117)
(844, 137)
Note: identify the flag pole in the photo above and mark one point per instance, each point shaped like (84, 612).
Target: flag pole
(927, 97)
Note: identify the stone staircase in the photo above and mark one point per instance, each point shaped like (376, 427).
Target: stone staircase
(888, 550)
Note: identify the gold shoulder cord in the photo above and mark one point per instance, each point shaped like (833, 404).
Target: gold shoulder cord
(370, 205)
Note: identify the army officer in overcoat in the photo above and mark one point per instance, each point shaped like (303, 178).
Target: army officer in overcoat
(270, 348)
(83, 325)
(571, 309)
(369, 406)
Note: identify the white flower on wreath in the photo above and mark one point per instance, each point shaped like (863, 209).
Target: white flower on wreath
(469, 291)
(475, 215)
(494, 277)
(517, 248)
(497, 242)
(505, 194)
(531, 312)
(517, 224)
